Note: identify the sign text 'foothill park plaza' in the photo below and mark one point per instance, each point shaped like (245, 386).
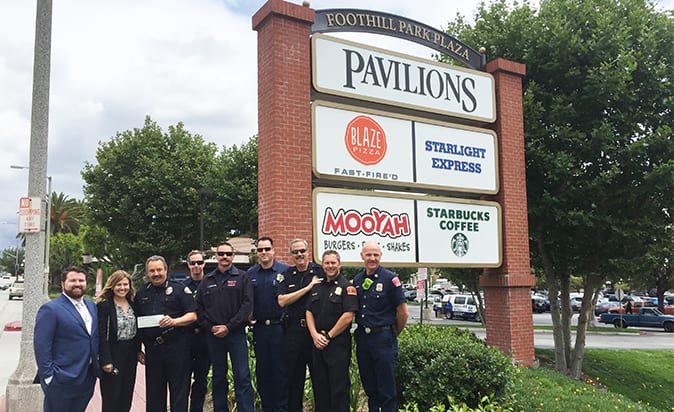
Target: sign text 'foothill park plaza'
(357, 145)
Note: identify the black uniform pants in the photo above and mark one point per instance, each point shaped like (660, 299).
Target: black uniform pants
(330, 377)
(299, 347)
(117, 389)
(168, 363)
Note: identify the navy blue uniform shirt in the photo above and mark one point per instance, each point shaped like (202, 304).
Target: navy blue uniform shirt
(171, 299)
(377, 305)
(225, 299)
(265, 282)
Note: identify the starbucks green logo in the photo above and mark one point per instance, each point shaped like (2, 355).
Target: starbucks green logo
(459, 244)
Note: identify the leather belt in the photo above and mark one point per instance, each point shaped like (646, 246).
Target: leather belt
(298, 322)
(376, 329)
(268, 322)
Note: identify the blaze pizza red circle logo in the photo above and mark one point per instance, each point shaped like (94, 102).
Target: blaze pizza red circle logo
(365, 140)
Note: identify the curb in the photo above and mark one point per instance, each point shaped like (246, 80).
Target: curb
(13, 326)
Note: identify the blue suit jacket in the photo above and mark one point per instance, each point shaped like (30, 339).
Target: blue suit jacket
(63, 347)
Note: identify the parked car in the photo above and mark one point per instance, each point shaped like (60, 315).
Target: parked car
(410, 295)
(5, 281)
(576, 302)
(604, 307)
(16, 290)
(539, 304)
(461, 306)
(646, 317)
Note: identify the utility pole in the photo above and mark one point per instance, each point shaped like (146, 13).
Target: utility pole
(22, 394)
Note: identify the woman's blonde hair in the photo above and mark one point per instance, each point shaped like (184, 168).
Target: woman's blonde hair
(114, 279)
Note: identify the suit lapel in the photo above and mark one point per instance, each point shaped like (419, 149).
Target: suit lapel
(70, 308)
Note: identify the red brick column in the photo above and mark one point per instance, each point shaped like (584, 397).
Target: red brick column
(508, 289)
(284, 122)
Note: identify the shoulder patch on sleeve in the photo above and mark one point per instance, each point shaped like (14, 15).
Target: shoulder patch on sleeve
(395, 281)
(351, 291)
(187, 290)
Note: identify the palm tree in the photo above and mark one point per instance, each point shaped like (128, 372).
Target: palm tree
(66, 214)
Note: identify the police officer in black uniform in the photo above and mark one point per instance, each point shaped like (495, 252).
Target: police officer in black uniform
(293, 293)
(268, 334)
(167, 356)
(382, 315)
(201, 361)
(330, 311)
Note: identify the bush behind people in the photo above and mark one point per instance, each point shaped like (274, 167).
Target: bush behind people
(437, 362)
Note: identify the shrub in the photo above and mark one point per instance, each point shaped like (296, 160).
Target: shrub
(436, 363)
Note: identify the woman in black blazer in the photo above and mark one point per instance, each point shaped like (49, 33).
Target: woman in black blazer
(119, 342)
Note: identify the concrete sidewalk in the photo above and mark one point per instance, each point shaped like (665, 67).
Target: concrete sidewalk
(138, 404)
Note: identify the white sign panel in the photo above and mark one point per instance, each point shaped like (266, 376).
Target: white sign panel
(411, 229)
(359, 145)
(344, 222)
(458, 157)
(362, 72)
(459, 233)
(353, 144)
(30, 214)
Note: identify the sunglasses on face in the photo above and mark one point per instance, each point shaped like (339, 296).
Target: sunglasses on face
(264, 249)
(196, 262)
(298, 251)
(225, 253)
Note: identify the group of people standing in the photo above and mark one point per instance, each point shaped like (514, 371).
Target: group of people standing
(301, 318)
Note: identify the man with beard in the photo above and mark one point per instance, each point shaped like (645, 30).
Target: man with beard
(166, 342)
(225, 299)
(66, 346)
(201, 362)
(382, 315)
(268, 339)
(293, 292)
(330, 311)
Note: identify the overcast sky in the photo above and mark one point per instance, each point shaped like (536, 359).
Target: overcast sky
(113, 63)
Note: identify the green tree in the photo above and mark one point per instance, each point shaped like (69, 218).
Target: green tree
(65, 249)
(143, 191)
(599, 114)
(232, 208)
(11, 257)
(66, 214)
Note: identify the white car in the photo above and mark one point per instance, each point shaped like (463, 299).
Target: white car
(16, 290)
(5, 281)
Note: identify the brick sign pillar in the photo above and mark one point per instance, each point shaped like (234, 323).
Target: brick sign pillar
(284, 123)
(507, 289)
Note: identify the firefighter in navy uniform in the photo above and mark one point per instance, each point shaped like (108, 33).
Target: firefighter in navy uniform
(382, 315)
(167, 350)
(225, 300)
(330, 312)
(201, 361)
(268, 334)
(293, 292)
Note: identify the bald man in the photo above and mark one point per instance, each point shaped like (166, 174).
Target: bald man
(381, 317)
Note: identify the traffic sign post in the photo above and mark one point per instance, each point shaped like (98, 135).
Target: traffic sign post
(30, 213)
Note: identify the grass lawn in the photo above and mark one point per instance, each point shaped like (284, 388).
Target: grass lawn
(614, 380)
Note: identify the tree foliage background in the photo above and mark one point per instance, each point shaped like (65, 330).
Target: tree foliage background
(599, 114)
(143, 192)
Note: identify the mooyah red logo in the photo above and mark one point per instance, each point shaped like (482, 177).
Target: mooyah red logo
(365, 140)
(374, 222)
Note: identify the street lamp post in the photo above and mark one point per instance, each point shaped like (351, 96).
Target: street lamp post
(22, 393)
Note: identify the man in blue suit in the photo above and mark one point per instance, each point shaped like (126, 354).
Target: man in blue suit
(66, 346)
